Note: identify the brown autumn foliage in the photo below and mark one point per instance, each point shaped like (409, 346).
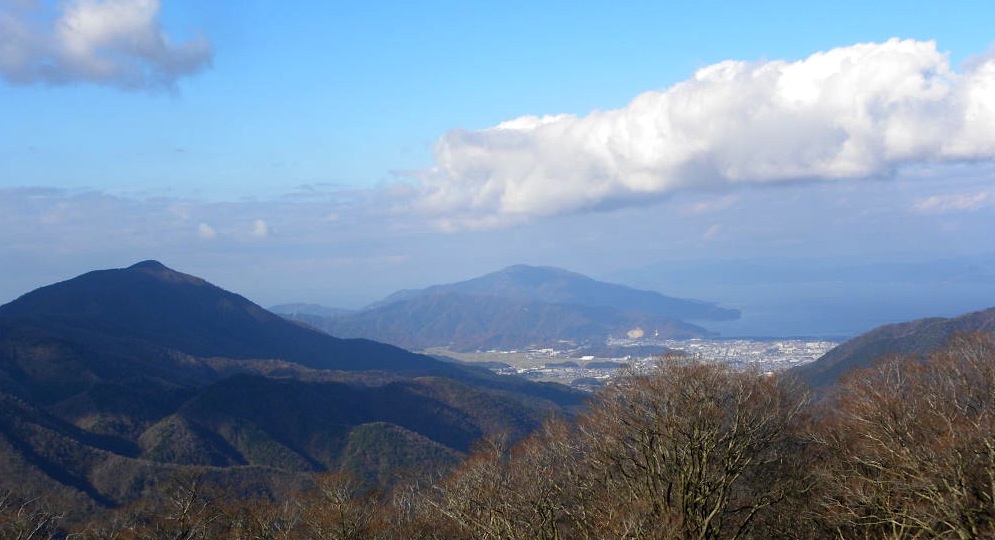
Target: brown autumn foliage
(692, 450)
(905, 449)
(912, 447)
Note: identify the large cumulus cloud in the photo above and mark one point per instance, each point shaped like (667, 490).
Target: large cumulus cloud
(114, 42)
(853, 112)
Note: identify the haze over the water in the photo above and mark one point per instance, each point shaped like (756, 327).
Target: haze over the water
(825, 168)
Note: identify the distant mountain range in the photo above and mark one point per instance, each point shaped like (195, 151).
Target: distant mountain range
(517, 307)
(919, 337)
(118, 377)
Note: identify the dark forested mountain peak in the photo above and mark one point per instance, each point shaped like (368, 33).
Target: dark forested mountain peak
(149, 265)
(155, 305)
(144, 294)
(158, 270)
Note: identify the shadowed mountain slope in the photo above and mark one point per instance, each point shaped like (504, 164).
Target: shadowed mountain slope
(117, 377)
(158, 306)
(919, 337)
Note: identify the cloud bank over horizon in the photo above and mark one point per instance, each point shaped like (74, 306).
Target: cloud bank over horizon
(862, 111)
(108, 42)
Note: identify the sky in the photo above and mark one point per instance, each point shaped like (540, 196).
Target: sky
(825, 167)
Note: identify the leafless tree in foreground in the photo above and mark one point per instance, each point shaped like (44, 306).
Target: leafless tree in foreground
(913, 447)
(691, 450)
(22, 519)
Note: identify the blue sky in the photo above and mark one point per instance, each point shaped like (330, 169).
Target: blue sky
(333, 152)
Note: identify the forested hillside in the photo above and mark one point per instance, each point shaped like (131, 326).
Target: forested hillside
(915, 338)
(904, 449)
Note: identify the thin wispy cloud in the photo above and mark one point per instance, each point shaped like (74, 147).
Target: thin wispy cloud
(960, 202)
(109, 42)
(715, 204)
(711, 232)
(41, 218)
(855, 112)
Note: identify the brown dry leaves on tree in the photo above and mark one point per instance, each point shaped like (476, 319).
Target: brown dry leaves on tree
(913, 446)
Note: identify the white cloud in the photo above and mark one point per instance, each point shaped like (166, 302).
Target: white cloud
(260, 229)
(206, 232)
(853, 112)
(114, 42)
